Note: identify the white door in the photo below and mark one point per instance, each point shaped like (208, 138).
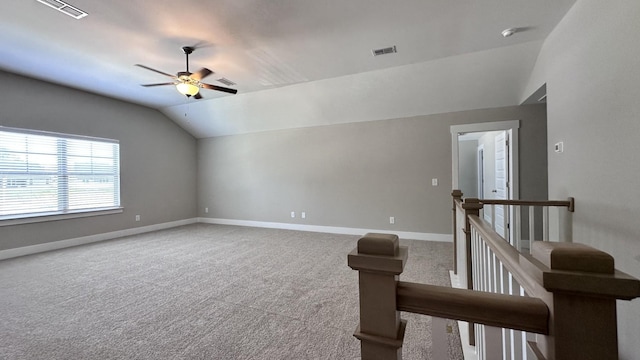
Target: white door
(501, 190)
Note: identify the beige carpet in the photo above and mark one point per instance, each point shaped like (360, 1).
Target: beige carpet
(201, 292)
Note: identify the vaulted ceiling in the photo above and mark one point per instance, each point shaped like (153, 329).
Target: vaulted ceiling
(262, 46)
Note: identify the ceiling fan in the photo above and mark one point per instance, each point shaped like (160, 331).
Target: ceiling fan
(188, 83)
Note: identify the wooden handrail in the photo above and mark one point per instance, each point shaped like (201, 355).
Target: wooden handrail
(505, 311)
(524, 268)
(569, 204)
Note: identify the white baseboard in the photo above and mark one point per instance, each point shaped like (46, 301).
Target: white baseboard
(329, 229)
(54, 245)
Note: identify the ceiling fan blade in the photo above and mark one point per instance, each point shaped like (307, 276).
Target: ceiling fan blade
(197, 96)
(219, 88)
(154, 70)
(201, 74)
(158, 84)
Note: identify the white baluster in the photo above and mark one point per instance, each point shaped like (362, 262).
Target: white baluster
(439, 341)
(493, 217)
(523, 335)
(505, 222)
(517, 228)
(532, 227)
(545, 223)
(517, 336)
(493, 342)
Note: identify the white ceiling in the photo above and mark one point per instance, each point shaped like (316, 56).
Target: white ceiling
(258, 44)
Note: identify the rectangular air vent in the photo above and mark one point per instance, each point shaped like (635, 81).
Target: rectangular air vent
(64, 8)
(387, 50)
(53, 3)
(226, 81)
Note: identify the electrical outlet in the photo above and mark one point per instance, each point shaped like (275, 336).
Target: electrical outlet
(293, 214)
(137, 217)
(434, 182)
(206, 210)
(392, 220)
(303, 215)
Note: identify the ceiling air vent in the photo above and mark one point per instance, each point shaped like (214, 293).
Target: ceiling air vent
(226, 81)
(64, 8)
(387, 50)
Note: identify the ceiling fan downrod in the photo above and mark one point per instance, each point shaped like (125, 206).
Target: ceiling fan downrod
(187, 51)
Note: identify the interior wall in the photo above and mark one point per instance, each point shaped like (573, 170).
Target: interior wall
(354, 175)
(590, 65)
(468, 168)
(157, 158)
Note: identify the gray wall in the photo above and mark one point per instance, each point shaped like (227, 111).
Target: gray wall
(158, 159)
(590, 65)
(355, 175)
(468, 167)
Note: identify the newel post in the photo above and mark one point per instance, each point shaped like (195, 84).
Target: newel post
(379, 260)
(584, 285)
(457, 196)
(471, 206)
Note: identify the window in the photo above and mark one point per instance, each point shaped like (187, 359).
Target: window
(44, 173)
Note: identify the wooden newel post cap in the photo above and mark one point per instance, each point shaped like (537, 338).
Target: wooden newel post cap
(456, 194)
(379, 244)
(378, 253)
(573, 257)
(580, 269)
(472, 204)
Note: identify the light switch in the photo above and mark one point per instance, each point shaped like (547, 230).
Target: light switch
(434, 182)
(559, 147)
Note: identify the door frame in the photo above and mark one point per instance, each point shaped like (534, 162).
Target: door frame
(480, 161)
(510, 125)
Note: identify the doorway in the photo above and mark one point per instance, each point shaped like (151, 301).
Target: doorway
(511, 128)
(493, 173)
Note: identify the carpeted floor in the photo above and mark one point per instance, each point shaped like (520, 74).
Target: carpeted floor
(202, 292)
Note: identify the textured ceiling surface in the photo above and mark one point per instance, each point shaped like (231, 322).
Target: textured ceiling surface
(257, 44)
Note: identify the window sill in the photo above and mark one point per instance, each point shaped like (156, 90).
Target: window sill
(28, 219)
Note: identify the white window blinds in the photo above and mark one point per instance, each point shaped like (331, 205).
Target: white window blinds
(45, 173)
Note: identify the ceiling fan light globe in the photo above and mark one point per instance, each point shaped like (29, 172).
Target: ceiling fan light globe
(187, 89)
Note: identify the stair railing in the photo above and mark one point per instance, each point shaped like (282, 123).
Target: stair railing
(534, 226)
(567, 298)
(528, 220)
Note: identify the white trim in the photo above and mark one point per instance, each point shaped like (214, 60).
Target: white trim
(512, 125)
(33, 249)
(480, 164)
(57, 134)
(29, 219)
(328, 229)
(55, 245)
